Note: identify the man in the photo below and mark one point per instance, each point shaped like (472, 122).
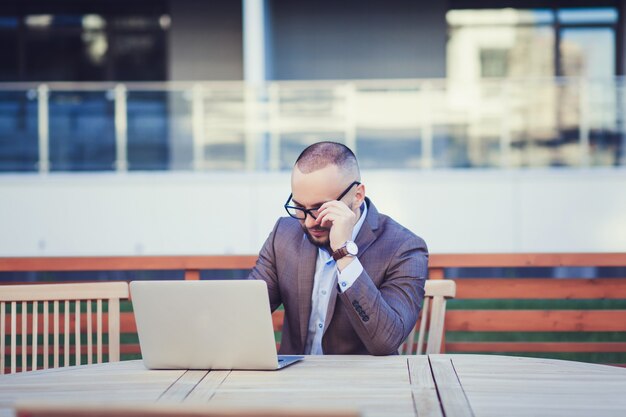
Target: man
(351, 279)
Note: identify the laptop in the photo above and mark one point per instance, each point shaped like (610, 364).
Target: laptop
(206, 325)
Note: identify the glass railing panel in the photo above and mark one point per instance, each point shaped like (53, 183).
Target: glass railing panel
(148, 130)
(82, 130)
(293, 142)
(451, 146)
(223, 137)
(389, 125)
(307, 102)
(537, 119)
(605, 118)
(19, 150)
(450, 129)
(180, 129)
(392, 124)
(300, 114)
(389, 148)
(565, 148)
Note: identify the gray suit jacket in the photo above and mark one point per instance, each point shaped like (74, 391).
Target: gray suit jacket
(375, 314)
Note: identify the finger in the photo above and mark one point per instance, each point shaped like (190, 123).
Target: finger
(334, 203)
(340, 210)
(330, 216)
(326, 216)
(323, 220)
(343, 214)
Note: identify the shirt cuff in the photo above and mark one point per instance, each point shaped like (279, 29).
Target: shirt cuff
(349, 274)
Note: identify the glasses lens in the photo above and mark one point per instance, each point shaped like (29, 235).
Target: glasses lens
(314, 212)
(294, 212)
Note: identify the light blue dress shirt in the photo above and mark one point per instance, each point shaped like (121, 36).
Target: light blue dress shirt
(327, 275)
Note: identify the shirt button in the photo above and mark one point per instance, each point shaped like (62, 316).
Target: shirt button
(320, 325)
(323, 292)
(343, 284)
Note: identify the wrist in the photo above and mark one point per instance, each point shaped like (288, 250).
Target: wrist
(335, 244)
(347, 249)
(344, 262)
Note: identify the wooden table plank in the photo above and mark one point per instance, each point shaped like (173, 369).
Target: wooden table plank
(373, 386)
(181, 388)
(206, 388)
(118, 382)
(425, 397)
(453, 399)
(512, 386)
(377, 387)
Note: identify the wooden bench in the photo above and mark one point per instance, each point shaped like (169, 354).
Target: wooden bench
(569, 318)
(44, 312)
(483, 310)
(559, 320)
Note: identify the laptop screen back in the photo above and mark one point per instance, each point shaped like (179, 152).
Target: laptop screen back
(204, 324)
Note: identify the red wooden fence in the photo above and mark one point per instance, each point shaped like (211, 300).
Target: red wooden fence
(468, 320)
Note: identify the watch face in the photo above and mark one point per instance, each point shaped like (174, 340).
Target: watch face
(352, 248)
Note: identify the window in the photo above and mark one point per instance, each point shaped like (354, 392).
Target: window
(539, 42)
(9, 42)
(503, 62)
(90, 41)
(587, 42)
(494, 62)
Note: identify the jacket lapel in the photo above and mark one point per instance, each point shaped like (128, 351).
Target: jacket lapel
(306, 274)
(363, 240)
(367, 235)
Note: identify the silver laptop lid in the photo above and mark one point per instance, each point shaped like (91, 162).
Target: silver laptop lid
(204, 324)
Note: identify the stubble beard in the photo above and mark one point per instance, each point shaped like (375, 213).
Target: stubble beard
(320, 243)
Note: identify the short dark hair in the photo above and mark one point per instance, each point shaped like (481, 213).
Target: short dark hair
(321, 154)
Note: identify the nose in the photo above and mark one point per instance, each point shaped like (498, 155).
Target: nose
(309, 222)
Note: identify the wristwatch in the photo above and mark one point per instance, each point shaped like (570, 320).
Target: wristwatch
(348, 248)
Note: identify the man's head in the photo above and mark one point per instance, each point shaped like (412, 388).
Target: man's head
(323, 172)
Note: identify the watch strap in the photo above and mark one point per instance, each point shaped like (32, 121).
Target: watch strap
(340, 253)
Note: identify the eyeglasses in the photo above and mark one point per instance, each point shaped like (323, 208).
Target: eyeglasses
(300, 212)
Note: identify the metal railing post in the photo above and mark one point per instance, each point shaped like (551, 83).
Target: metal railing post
(197, 116)
(620, 157)
(505, 126)
(43, 129)
(427, 127)
(583, 123)
(121, 129)
(274, 125)
(252, 135)
(350, 129)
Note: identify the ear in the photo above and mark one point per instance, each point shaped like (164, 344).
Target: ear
(360, 195)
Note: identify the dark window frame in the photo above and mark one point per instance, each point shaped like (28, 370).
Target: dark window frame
(108, 10)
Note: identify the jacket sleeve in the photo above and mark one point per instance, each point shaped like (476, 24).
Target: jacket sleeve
(383, 317)
(265, 269)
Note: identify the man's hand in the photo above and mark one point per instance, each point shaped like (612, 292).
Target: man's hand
(340, 219)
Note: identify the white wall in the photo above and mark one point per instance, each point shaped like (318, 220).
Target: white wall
(216, 213)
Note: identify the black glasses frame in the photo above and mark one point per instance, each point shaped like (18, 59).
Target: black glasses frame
(310, 211)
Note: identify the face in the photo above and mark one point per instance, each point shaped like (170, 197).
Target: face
(311, 190)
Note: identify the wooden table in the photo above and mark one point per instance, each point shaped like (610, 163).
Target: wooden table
(434, 385)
